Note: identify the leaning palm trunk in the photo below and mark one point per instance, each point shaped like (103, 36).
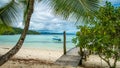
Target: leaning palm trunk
(19, 44)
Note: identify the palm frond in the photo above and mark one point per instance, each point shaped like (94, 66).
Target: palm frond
(9, 13)
(23, 2)
(75, 8)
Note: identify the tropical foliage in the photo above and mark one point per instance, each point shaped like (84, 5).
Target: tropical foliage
(9, 13)
(13, 31)
(4, 28)
(102, 34)
(77, 9)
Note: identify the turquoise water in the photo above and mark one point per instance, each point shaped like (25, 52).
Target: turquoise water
(37, 41)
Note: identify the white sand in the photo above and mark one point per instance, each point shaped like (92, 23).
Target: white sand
(35, 53)
(26, 58)
(95, 61)
(47, 57)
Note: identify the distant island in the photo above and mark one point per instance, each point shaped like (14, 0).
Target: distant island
(51, 32)
(14, 30)
(18, 31)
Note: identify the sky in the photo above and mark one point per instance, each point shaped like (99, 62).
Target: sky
(43, 19)
(51, 22)
(114, 2)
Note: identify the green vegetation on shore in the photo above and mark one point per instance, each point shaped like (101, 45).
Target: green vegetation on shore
(17, 31)
(101, 35)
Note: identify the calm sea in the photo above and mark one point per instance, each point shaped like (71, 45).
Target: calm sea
(37, 41)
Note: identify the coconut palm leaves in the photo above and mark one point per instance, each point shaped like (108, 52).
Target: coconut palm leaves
(9, 13)
(75, 8)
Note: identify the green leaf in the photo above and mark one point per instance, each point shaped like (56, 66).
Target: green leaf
(9, 13)
(79, 9)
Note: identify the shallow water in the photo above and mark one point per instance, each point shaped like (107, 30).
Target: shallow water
(37, 41)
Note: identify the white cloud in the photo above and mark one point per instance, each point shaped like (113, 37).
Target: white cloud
(20, 25)
(43, 19)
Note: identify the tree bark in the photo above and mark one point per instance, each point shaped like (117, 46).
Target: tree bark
(4, 58)
(81, 54)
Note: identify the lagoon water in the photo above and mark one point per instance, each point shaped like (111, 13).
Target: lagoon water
(37, 41)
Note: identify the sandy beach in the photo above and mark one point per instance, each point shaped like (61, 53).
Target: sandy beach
(44, 58)
(45, 55)
(94, 61)
(33, 58)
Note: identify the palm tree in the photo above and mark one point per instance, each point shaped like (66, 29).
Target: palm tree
(8, 14)
(6, 19)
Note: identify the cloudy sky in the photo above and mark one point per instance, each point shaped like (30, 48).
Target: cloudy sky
(43, 19)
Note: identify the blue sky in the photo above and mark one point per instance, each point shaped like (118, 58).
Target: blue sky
(43, 19)
(114, 2)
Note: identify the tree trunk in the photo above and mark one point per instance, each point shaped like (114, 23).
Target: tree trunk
(107, 61)
(4, 58)
(81, 52)
(115, 61)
